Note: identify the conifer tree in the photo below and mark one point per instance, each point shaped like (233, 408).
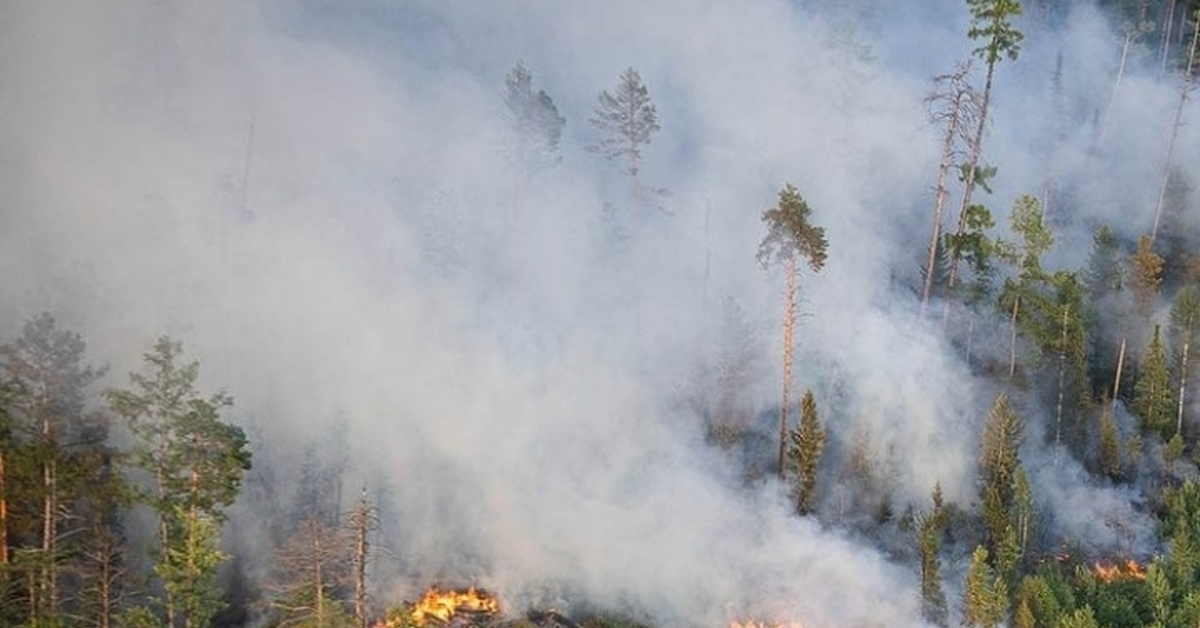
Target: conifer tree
(48, 380)
(930, 528)
(1145, 278)
(1110, 446)
(991, 26)
(791, 237)
(985, 594)
(1185, 324)
(196, 463)
(1153, 402)
(534, 124)
(807, 445)
(1025, 255)
(628, 119)
(999, 473)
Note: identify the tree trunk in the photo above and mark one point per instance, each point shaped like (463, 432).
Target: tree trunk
(319, 578)
(939, 202)
(361, 525)
(789, 329)
(1168, 27)
(1012, 347)
(1183, 376)
(1112, 96)
(1183, 94)
(1120, 365)
(973, 166)
(1062, 378)
(48, 579)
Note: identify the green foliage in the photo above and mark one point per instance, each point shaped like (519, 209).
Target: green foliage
(791, 234)
(1153, 401)
(930, 528)
(973, 246)
(991, 25)
(1110, 445)
(806, 445)
(985, 594)
(534, 122)
(628, 119)
(1080, 618)
(196, 463)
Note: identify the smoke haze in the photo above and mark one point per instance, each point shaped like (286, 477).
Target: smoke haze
(313, 197)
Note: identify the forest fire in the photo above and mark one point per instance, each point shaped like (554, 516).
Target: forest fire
(1111, 572)
(440, 606)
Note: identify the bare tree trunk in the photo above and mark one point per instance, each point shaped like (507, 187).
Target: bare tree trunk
(362, 521)
(1183, 375)
(1168, 27)
(1120, 365)
(1062, 378)
(789, 330)
(1012, 347)
(1183, 95)
(319, 579)
(973, 166)
(939, 202)
(48, 580)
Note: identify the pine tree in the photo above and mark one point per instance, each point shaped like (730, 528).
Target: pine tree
(1036, 239)
(45, 371)
(985, 595)
(534, 124)
(804, 454)
(628, 119)
(991, 26)
(196, 463)
(1153, 402)
(791, 236)
(1109, 452)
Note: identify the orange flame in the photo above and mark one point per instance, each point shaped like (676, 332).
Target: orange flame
(1110, 572)
(441, 605)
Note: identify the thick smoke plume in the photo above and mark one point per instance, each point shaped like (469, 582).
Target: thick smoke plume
(313, 197)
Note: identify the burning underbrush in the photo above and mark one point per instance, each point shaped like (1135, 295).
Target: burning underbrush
(1113, 571)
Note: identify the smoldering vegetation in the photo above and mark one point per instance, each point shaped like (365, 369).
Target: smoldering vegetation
(564, 387)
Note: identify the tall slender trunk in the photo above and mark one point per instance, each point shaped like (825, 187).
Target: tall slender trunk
(1112, 96)
(1062, 377)
(48, 580)
(1012, 345)
(973, 166)
(789, 330)
(1168, 27)
(940, 201)
(1120, 365)
(1183, 95)
(319, 576)
(1183, 377)
(164, 529)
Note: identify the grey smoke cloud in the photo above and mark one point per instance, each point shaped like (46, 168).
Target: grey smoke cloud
(507, 369)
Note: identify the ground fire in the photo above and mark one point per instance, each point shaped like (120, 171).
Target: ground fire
(1110, 572)
(440, 606)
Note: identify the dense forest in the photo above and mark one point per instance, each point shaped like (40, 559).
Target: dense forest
(415, 315)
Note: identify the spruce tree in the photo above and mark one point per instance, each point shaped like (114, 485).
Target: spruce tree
(1153, 402)
(930, 528)
(804, 454)
(985, 595)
